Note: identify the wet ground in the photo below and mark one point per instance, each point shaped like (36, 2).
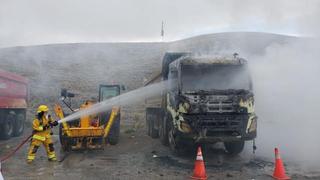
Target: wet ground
(137, 156)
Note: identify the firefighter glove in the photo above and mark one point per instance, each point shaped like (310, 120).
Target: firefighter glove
(54, 123)
(46, 127)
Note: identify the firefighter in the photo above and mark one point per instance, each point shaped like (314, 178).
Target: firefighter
(42, 125)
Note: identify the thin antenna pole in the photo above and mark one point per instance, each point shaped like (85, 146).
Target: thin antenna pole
(162, 31)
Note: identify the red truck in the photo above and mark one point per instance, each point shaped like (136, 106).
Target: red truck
(13, 104)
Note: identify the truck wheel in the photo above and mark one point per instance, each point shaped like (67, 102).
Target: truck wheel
(163, 130)
(148, 124)
(235, 147)
(7, 127)
(19, 124)
(113, 137)
(174, 144)
(151, 131)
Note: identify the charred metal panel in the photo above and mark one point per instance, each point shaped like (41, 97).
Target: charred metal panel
(213, 104)
(233, 123)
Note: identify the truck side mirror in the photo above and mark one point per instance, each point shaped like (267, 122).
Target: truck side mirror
(123, 88)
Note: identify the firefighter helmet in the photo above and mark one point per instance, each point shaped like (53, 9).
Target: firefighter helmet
(42, 108)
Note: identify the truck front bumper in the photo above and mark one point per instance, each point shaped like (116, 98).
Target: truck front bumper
(200, 138)
(211, 128)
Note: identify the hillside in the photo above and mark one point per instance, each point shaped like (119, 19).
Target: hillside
(81, 67)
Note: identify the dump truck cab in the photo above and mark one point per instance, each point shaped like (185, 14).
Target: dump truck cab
(209, 100)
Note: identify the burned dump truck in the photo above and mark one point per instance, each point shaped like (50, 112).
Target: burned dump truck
(208, 100)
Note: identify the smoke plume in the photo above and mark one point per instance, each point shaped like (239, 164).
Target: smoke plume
(287, 101)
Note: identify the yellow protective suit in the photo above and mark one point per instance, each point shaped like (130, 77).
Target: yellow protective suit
(41, 135)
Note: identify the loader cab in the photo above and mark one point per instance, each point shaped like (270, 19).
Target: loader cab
(109, 91)
(106, 92)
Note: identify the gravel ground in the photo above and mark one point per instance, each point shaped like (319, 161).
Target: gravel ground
(137, 156)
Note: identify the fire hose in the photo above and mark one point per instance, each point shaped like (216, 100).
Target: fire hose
(11, 153)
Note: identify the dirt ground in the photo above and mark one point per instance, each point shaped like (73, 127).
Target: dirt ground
(137, 156)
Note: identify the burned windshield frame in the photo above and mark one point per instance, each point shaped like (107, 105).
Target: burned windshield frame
(217, 84)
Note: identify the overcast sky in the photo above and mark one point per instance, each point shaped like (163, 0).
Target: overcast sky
(30, 22)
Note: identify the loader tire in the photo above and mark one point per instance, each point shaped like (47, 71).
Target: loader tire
(64, 140)
(235, 147)
(18, 126)
(6, 128)
(113, 137)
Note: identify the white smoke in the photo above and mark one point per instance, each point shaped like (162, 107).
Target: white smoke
(287, 101)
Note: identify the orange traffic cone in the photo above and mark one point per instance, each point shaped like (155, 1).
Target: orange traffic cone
(279, 171)
(199, 171)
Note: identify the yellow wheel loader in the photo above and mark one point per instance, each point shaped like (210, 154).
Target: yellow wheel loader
(90, 131)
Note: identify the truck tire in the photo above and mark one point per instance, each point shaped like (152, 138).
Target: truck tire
(163, 130)
(148, 124)
(235, 147)
(7, 127)
(19, 123)
(151, 131)
(174, 143)
(113, 137)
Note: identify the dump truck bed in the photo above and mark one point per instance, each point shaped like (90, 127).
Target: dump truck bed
(13, 90)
